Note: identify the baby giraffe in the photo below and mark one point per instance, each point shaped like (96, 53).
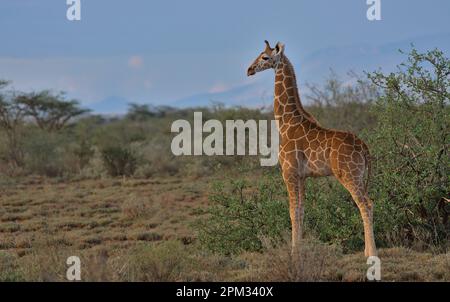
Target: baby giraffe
(310, 150)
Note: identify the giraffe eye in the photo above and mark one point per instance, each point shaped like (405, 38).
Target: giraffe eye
(265, 58)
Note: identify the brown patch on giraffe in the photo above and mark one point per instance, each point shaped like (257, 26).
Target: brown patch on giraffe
(301, 144)
(289, 146)
(279, 88)
(328, 135)
(291, 108)
(291, 91)
(314, 144)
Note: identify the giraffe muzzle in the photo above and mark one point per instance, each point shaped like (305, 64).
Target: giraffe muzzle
(251, 71)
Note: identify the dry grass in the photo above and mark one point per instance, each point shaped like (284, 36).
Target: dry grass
(101, 212)
(43, 221)
(322, 262)
(398, 264)
(311, 264)
(138, 230)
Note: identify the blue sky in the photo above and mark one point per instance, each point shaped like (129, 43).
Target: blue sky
(169, 52)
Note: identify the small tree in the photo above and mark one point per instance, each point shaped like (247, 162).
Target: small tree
(3, 84)
(50, 111)
(336, 104)
(12, 116)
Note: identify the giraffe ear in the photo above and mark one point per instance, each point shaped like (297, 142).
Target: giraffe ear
(267, 45)
(279, 48)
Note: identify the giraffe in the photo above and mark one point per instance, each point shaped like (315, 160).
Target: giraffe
(309, 150)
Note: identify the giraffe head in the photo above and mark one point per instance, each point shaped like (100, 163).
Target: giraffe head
(269, 58)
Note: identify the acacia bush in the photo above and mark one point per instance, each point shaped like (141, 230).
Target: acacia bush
(410, 147)
(119, 161)
(54, 154)
(240, 216)
(44, 153)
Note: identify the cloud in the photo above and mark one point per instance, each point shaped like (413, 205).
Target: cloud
(218, 88)
(135, 62)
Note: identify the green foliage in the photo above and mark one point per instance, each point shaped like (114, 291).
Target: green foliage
(138, 112)
(155, 158)
(331, 214)
(240, 216)
(44, 152)
(119, 161)
(12, 116)
(410, 178)
(411, 148)
(55, 154)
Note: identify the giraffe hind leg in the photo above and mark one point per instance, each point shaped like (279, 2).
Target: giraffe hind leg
(365, 206)
(366, 210)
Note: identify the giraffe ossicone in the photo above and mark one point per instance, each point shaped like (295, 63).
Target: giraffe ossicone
(307, 149)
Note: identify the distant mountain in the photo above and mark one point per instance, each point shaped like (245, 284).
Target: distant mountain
(360, 58)
(113, 105)
(253, 95)
(250, 95)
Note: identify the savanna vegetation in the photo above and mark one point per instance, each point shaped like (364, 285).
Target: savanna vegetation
(110, 190)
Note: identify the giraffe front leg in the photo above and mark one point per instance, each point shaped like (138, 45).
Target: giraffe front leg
(295, 189)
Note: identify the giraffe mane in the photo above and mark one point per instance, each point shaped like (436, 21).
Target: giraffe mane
(298, 102)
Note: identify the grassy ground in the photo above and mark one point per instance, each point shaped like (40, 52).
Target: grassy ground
(139, 230)
(108, 213)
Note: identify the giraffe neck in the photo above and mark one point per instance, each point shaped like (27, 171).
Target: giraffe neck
(288, 108)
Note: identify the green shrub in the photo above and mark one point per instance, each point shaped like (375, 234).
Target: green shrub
(119, 161)
(410, 146)
(331, 214)
(240, 216)
(95, 168)
(44, 152)
(410, 178)
(156, 158)
(164, 262)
